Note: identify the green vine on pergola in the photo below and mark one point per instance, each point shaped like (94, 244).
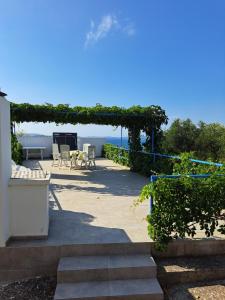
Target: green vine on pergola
(135, 118)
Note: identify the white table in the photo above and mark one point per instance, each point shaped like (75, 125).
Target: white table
(34, 148)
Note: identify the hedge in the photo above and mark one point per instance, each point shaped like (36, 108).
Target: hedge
(142, 162)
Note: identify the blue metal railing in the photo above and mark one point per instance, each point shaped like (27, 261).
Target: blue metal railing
(191, 159)
(175, 157)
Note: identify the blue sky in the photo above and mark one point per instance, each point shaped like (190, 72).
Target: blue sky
(163, 52)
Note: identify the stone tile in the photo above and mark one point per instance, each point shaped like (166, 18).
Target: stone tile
(83, 263)
(82, 290)
(135, 287)
(124, 261)
(117, 289)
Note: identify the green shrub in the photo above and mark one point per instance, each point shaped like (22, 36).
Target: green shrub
(143, 163)
(17, 150)
(181, 203)
(186, 166)
(118, 155)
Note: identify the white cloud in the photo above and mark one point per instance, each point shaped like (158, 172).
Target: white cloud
(129, 29)
(108, 23)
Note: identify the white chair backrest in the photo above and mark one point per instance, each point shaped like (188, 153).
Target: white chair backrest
(55, 149)
(85, 147)
(91, 152)
(64, 148)
(65, 155)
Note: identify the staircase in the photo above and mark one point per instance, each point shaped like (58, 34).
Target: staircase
(107, 276)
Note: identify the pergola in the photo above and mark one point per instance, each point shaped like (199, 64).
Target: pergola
(136, 119)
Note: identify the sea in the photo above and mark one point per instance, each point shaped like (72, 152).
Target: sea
(121, 143)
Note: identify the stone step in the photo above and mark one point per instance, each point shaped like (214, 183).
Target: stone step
(139, 289)
(106, 249)
(112, 267)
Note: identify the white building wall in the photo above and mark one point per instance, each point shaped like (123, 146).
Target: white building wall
(46, 141)
(5, 169)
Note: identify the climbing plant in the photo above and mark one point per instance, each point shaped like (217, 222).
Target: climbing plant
(135, 118)
(142, 117)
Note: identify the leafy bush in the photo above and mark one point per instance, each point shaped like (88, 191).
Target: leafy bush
(142, 162)
(181, 203)
(17, 150)
(186, 166)
(118, 155)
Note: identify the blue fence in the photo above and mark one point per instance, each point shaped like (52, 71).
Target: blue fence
(176, 157)
(191, 159)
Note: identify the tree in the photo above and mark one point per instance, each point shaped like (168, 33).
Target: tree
(210, 143)
(180, 137)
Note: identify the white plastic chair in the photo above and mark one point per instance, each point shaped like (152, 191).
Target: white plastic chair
(56, 155)
(88, 156)
(85, 147)
(65, 155)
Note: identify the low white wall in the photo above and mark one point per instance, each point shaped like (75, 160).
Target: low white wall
(5, 169)
(37, 141)
(46, 141)
(29, 207)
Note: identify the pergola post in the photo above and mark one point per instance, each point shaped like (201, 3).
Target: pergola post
(134, 140)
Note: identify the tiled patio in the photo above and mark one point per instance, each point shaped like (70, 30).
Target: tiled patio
(94, 206)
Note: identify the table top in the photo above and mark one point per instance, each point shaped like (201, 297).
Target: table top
(36, 147)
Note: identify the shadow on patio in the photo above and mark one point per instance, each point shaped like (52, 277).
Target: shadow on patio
(95, 206)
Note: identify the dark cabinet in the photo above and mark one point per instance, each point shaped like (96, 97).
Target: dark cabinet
(65, 138)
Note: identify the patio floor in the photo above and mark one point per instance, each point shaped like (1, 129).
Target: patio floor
(94, 206)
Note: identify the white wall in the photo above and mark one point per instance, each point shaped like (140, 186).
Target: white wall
(29, 213)
(46, 141)
(5, 169)
(39, 141)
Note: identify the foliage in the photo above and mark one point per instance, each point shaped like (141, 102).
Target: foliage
(142, 117)
(210, 143)
(180, 204)
(186, 166)
(206, 140)
(134, 141)
(17, 150)
(135, 118)
(143, 161)
(118, 155)
(158, 139)
(180, 137)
